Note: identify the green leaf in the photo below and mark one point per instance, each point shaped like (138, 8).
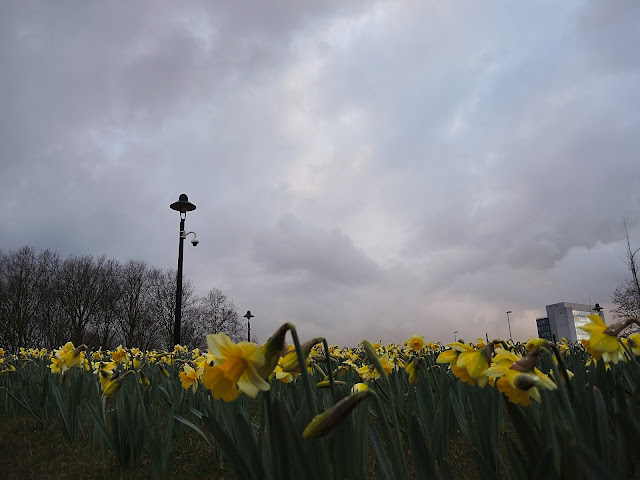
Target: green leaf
(24, 405)
(230, 450)
(102, 428)
(424, 466)
(193, 426)
(381, 455)
(62, 412)
(603, 426)
(591, 468)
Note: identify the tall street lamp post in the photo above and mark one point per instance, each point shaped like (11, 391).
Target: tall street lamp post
(509, 323)
(455, 336)
(183, 205)
(248, 316)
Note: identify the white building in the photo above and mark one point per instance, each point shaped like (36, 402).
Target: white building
(565, 319)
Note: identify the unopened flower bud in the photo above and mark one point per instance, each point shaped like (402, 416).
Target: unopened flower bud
(290, 361)
(272, 351)
(326, 421)
(359, 387)
(144, 380)
(327, 383)
(374, 359)
(114, 385)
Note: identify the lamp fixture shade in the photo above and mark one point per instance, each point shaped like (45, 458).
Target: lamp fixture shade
(183, 204)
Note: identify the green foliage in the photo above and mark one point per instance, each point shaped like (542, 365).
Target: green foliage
(398, 430)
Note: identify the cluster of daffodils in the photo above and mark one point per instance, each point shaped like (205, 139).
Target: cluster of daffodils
(515, 376)
(67, 357)
(5, 367)
(603, 342)
(229, 369)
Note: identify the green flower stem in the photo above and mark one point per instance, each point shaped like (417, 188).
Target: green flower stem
(262, 422)
(327, 358)
(375, 361)
(311, 403)
(563, 370)
(306, 382)
(395, 445)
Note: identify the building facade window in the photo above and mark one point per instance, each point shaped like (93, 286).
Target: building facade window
(580, 319)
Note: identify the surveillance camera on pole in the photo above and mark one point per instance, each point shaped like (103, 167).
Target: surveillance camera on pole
(194, 240)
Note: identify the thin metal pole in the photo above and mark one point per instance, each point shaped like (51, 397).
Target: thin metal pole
(178, 315)
(509, 323)
(248, 316)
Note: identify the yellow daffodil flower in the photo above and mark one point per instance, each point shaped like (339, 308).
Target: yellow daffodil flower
(120, 355)
(475, 363)
(70, 356)
(536, 342)
(604, 340)
(190, 377)
(412, 368)
(517, 377)
(633, 342)
(415, 343)
(368, 372)
(386, 363)
(105, 373)
(284, 377)
(56, 365)
(235, 368)
(472, 360)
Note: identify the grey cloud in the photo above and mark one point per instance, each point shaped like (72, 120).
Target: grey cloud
(388, 168)
(312, 254)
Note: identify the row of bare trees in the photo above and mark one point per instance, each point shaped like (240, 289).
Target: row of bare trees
(46, 301)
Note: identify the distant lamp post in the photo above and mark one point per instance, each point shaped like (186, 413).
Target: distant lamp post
(183, 205)
(455, 336)
(248, 316)
(597, 309)
(509, 323)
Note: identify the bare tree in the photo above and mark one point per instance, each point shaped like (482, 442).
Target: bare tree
(163, 305)
(626, 296)
(45, 301)
(86, 288)
(135, 303)
(25, 281)
(50, 324)
(217, 313)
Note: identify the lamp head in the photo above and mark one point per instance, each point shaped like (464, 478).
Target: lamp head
(183, 205)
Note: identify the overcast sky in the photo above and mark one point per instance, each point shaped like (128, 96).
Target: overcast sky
(365, 170)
